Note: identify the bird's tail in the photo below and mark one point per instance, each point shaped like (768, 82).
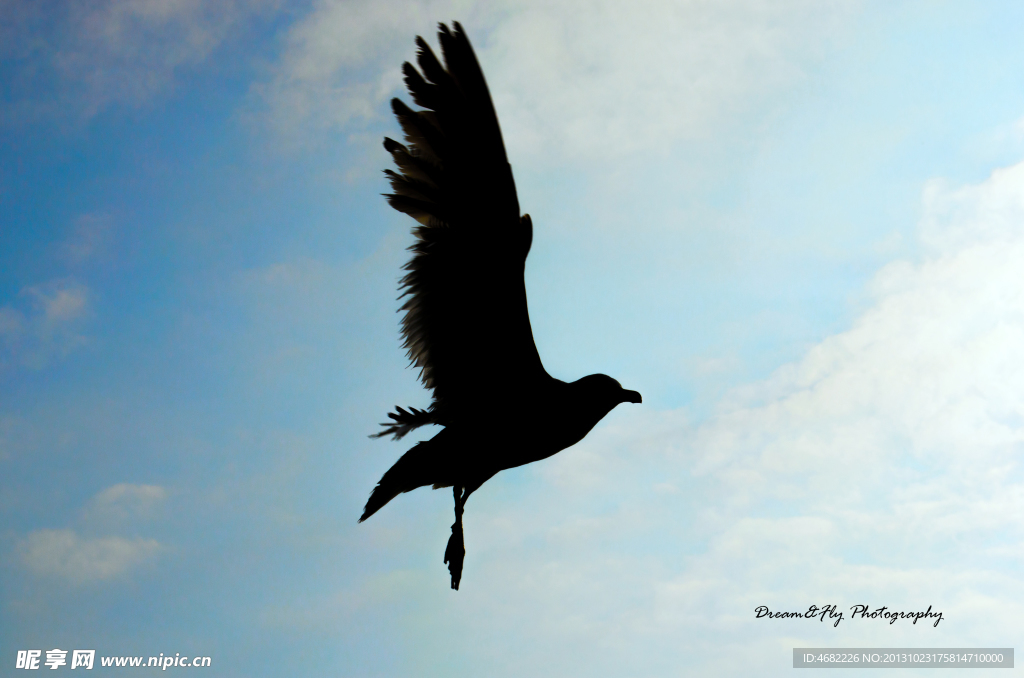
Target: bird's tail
(413, 469)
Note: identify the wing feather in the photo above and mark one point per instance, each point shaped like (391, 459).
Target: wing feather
(466, 325)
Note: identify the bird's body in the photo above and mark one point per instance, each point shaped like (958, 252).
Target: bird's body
(467, 454)
(466, 323)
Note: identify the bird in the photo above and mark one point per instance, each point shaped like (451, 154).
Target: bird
(466, 324)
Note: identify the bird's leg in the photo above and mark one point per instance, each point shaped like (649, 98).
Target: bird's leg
(456, 550)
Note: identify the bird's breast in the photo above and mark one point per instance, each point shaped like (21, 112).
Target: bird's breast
(537, 437)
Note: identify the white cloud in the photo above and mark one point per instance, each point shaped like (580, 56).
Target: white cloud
(112, 51)
(909, 427)
(587, 79)
(50, 326)
(66, 555)
(931, 373)
(131, 497)
(122, 504)
(600, 79)
(883, 468)
(314, 83)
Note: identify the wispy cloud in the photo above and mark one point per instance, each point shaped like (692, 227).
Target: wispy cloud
(46, 326)
(909, 425)
(564, 78)
(66, 555)
(94, 554)
(314, 85)
(122, 504)
(882, 468)
(83, 57)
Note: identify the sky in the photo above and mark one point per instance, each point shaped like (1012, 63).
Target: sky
(796, 227)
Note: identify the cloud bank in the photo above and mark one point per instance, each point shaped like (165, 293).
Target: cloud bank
(883, 469)
(69, 555)
(572, 78)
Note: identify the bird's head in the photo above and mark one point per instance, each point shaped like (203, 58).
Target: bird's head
(607, 391)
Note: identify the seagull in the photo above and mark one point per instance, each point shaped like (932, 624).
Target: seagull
(466, 325)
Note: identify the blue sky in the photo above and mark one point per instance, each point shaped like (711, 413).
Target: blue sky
(795, 227)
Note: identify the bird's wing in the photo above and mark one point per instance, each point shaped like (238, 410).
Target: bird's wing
(466, 323)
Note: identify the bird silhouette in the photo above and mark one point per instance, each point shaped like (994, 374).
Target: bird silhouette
(466, 324)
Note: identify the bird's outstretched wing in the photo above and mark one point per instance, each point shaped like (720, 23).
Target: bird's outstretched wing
(466, 323)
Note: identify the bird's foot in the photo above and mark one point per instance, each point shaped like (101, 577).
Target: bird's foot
(455, 553)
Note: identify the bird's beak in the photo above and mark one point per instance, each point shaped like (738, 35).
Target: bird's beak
(631, 397)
